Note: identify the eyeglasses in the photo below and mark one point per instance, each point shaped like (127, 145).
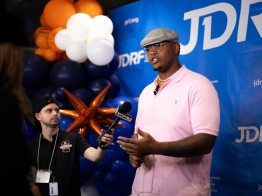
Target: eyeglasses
(156, 47)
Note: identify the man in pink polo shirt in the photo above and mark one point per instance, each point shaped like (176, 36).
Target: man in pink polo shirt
(176, 125)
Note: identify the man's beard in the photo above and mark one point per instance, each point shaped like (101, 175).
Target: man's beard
(158, 68)
(52, 125)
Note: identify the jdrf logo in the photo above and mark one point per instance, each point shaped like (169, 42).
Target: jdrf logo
(133, 58)
(231, 15)
(250, 133)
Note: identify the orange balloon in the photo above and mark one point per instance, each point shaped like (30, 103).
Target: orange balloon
(42, 20)
(51, 39)
(40, 51)
(88, 116)
(50, 55)
(57, 13)
(71, 1)
(89, 7)
(41, 41)
(42, 30)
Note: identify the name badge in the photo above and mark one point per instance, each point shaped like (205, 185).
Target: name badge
(53, 188)
(43, 176)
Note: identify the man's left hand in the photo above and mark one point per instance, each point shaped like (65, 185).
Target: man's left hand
(138, 147)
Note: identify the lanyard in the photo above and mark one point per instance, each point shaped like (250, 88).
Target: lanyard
(52, 152)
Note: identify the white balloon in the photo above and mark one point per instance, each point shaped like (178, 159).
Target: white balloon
(102, 26)
(79, 17)
(62, 38)
(76, 51)
(100, 51)
(79, 31)
(82, 60)
(111, 39)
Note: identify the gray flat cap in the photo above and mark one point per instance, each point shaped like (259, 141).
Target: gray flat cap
(159, 35)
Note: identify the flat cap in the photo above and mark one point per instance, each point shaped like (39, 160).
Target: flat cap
(159, 35)
(45, 101)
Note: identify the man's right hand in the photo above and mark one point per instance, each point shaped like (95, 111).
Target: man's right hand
(136, 161)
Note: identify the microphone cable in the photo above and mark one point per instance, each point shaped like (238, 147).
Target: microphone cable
(130, 182)
(156, 90)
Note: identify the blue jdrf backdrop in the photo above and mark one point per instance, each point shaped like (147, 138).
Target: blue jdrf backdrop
(221, 40)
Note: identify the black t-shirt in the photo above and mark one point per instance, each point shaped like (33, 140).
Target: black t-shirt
(65, 165)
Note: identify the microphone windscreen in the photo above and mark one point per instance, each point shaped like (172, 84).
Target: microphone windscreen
(125, 107)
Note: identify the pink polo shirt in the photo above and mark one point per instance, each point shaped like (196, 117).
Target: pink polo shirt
(186, 105)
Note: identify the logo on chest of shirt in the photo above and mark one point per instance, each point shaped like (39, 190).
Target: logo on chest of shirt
(65, 146)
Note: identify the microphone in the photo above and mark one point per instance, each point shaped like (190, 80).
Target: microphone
(121, 113)
(156, 90)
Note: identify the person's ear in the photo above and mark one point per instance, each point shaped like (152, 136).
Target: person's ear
(37, 116)
(176, 47)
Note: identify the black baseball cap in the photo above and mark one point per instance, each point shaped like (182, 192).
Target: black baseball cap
(45, 101)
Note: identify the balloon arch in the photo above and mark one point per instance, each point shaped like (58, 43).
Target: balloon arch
(75, 52)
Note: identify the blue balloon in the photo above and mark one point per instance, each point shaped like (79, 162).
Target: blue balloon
(111, 179)
(69, 74)
(83, 94)
(65, 122)
(128, 177)
(113, 65)
(118, 167)
(98, 175)
(30, 93)
(129, 171)
(119, 100)
(28, 129)
(115, 82)
(91, 138)
(60, 94)
(45, 91)
(63, 105)
(114, 152)
(36, 71)
(106, 190)
(86, 166)
(120, 189)
(96, 86)
(105, 104)
(104, 165)
(94, 71)
(126, 158)
(127, 131)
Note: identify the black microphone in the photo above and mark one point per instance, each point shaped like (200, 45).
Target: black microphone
(121, 113)
(156, 90)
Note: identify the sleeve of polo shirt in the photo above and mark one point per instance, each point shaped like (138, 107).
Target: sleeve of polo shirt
(205, 111)
(82, 144)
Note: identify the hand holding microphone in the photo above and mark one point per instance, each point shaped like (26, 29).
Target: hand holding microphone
(106, 139)
(121, 113)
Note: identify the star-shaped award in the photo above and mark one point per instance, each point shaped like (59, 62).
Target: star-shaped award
(91, 117)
